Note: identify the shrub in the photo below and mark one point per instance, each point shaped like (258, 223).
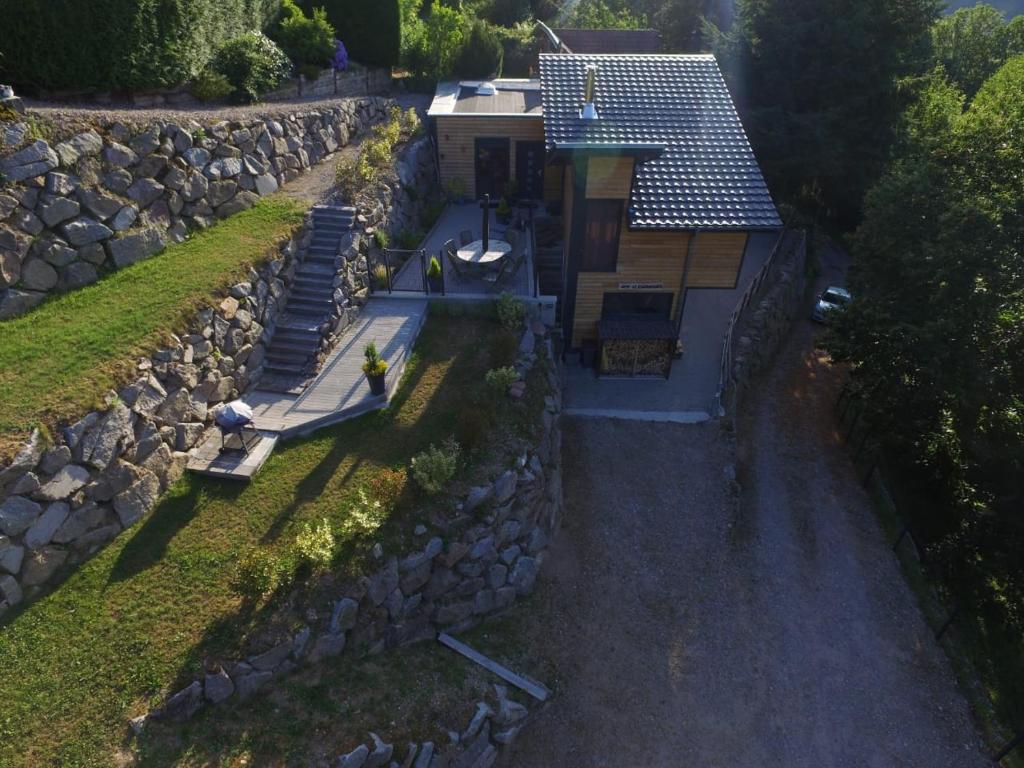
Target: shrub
(119, 44)
(211, 86)
(504, 347)
(411, 123)
(253, 64)
(339, 63)
(511, 311)
(387, 487)
(372, 29)
(374, 364)
(434, 270)
(315, 546)
(481, 53)
(456, 188)
(435, 467)
(380, 275)
(261, 572)
(505, 13)
(471, 427)
(433, 44)
(380, 237)
(519, 47)
(500, 379)
(351, 175)
(307, 40)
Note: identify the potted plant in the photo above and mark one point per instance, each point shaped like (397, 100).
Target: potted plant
(434, 275)
(503, 211)
(374, 367)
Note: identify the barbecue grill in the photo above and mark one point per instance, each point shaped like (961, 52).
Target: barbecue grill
(235, 418)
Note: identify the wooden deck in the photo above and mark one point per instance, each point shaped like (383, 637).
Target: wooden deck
(207, 458)
(340, 390)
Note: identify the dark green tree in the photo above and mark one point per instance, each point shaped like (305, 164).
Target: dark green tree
(481, 53)
(972, 43)
(817, 84)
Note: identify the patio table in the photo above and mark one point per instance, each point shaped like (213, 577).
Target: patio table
(475, 255)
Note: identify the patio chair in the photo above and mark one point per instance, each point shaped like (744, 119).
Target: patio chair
(449, 253)
(465, 237)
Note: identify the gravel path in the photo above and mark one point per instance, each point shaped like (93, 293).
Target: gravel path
(694, 627)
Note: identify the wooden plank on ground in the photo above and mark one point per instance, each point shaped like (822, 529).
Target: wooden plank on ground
(538, 691)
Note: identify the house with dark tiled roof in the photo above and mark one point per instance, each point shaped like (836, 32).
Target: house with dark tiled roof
(646, 158)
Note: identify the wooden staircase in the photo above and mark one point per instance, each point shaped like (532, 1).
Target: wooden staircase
(290, 362)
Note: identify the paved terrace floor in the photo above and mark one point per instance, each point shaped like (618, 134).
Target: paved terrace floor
(454, 220)
(688, 393)
(340, 390)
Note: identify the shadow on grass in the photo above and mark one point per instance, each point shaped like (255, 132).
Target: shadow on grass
(149, 542)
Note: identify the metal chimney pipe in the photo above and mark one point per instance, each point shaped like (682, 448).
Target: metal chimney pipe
(589, 111)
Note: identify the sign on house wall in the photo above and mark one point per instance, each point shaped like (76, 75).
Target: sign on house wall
(641, 286)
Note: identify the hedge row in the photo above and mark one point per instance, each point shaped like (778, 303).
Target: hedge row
(370, 29)
(118, 44)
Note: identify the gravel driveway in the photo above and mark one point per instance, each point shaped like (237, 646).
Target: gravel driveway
(695, 627)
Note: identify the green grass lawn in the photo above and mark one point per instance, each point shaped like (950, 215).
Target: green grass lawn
(143, 613)
(59, 359)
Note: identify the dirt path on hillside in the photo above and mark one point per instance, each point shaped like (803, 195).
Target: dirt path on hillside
(692, 628)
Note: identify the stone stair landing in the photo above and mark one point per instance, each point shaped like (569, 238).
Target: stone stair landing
(291, 358)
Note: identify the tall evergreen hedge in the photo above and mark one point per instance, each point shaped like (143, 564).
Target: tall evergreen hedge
(118, 44)
(370, 29)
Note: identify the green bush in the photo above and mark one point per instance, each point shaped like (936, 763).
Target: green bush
(387, 487)
(430, 47)
(511, 311)
(371, 30)
(260, 573)
(119, 44)
(519, 49)
(315, 546)
(435, 467)
(253, 64)
(307, 40)
(408, 240)
(506, 13)
(500, 379)
(481, 53)
(503, 350)
(211, 86)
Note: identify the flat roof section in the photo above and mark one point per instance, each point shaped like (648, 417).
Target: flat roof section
(510, 98)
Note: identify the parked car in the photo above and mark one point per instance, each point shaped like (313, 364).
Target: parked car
(830, 300)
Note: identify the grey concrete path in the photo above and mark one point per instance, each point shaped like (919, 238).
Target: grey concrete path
(691, 387)
(340, 390)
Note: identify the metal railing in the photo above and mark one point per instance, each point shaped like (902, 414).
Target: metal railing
(394, 261)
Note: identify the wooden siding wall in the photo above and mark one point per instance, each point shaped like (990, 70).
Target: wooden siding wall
(456, 144)
(717, 257)
(644, 257)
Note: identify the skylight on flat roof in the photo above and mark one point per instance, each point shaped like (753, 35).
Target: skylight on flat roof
(505, 98)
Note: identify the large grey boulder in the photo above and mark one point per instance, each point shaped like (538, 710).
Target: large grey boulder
(10, 590)
(266, 184)
(85, 230)
(98, 204)
(78, 275)
(37, 275)
(56, 210)
(119, 156)
(185, 703)
(80, 522)
(197, 157)
(240, 202)
(124, 218)
(195, 187)
(118, 180)
(220, 192)
(41, 566)
(356, 758)
(34, 160)
(11, 555)
(104, 442)
(64, 484)
(135, 501)
(145, 191)
(17, 514)
(58, 254)
(26, 221)
(136, 246)
(218, 686)
(14, 302)
(43, 529)
(83, 145)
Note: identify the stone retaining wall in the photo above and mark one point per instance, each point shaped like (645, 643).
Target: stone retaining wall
(111, 196)
(766, 321)
(487, 556)
(61, 504)
(492, 728)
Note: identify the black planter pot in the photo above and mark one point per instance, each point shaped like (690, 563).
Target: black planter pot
(435, 284)
(377, 386)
